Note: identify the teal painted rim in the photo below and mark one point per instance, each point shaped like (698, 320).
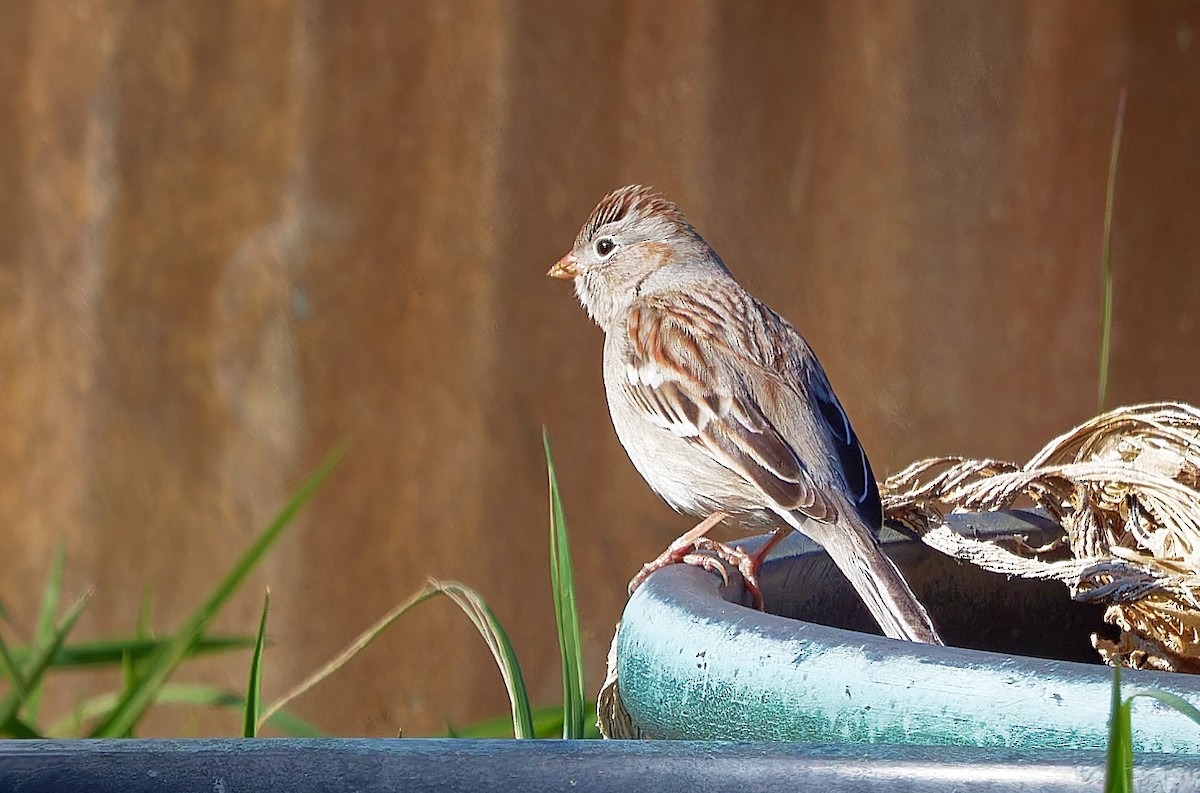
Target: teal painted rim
(693, 666)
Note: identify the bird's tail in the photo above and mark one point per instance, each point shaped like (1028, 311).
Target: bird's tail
(855, 550)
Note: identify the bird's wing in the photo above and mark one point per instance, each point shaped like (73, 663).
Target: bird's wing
(694, 374)
(690, 378)
(796, 359)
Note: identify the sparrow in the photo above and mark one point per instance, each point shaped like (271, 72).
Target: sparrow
(722, 406)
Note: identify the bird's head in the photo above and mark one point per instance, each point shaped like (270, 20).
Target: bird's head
(634, 240)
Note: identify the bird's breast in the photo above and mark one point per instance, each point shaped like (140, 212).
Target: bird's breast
(679, 469)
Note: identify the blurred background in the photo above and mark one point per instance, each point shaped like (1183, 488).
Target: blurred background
(236, 234)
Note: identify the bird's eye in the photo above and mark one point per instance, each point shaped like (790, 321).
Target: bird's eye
(605, 246)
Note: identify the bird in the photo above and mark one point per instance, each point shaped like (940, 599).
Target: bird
(722, 405)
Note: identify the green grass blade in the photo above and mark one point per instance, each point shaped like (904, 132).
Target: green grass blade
(47, 609)
(108, 652)
(192, 694)
(11, 670)
(1106, 286)
(130, 663)
(502, 726)
(566, 612)
(292, 726)
(254, 687)
(19, 728)
(502, 650)
(51, 596)
(1174, 700)
(547, 723)
(38, 664)
(210, 697)
(1119, 772)
(133, 704)
(129, 678)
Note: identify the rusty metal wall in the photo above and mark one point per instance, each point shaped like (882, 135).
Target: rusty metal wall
(233, 235)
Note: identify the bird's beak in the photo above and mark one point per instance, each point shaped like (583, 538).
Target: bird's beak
(565, 268)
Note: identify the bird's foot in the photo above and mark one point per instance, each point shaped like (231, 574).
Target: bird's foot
(717, 557)
(696, 549)
(678, 549)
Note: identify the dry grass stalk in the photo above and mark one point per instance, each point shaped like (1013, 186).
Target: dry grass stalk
(611, 717)
(1125, 487)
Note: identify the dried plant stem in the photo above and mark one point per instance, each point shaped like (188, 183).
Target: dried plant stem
(359, 644)
(1125, 487)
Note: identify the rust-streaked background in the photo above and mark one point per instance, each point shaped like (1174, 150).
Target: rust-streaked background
(235, 234)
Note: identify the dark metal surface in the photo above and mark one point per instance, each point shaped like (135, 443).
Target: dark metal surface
(376, 766)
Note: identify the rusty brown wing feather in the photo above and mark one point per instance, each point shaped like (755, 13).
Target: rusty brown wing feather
(688, 379)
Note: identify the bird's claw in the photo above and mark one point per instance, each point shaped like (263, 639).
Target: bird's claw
(716, 557)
